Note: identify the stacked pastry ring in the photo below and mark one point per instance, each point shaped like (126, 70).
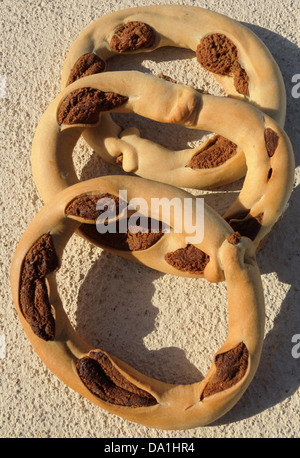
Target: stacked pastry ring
(227, 251)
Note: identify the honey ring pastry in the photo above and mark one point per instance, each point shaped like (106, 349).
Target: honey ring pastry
(267, 148)
(238, 59)
(104, 379)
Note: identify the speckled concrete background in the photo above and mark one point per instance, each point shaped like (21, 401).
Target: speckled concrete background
(164, 326)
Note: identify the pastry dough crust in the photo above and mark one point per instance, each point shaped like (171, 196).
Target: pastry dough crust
(268, 182)
(177, 406)
(266, 86)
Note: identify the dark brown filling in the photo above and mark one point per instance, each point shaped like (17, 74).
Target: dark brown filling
(217, 54)
(231, 367)
(84, 105)
(271, 141)
(188, 259)
(128, 241)
(106, 382)
(132, 36)
(86, 206)
(217, 151)
(234, 238)
(248, 227)
(40, 260)
(86, 65)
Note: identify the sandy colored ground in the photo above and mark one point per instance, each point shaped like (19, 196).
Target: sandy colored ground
(166, 327)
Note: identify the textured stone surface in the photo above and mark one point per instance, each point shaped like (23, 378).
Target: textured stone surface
(157, 321)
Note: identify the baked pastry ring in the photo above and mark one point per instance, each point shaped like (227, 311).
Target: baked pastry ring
(238, 59)
(103, 378)
(268, 151)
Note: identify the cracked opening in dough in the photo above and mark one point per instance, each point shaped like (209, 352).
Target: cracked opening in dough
(102, 378)
(231, 367)
(123, 235)
(124, 241)
(188, 259)
(87, 64)
(132, 36)
(219, 55)
(271, 141)
(84, 105)
(85, 206)
(39, 261)
(215, 153)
